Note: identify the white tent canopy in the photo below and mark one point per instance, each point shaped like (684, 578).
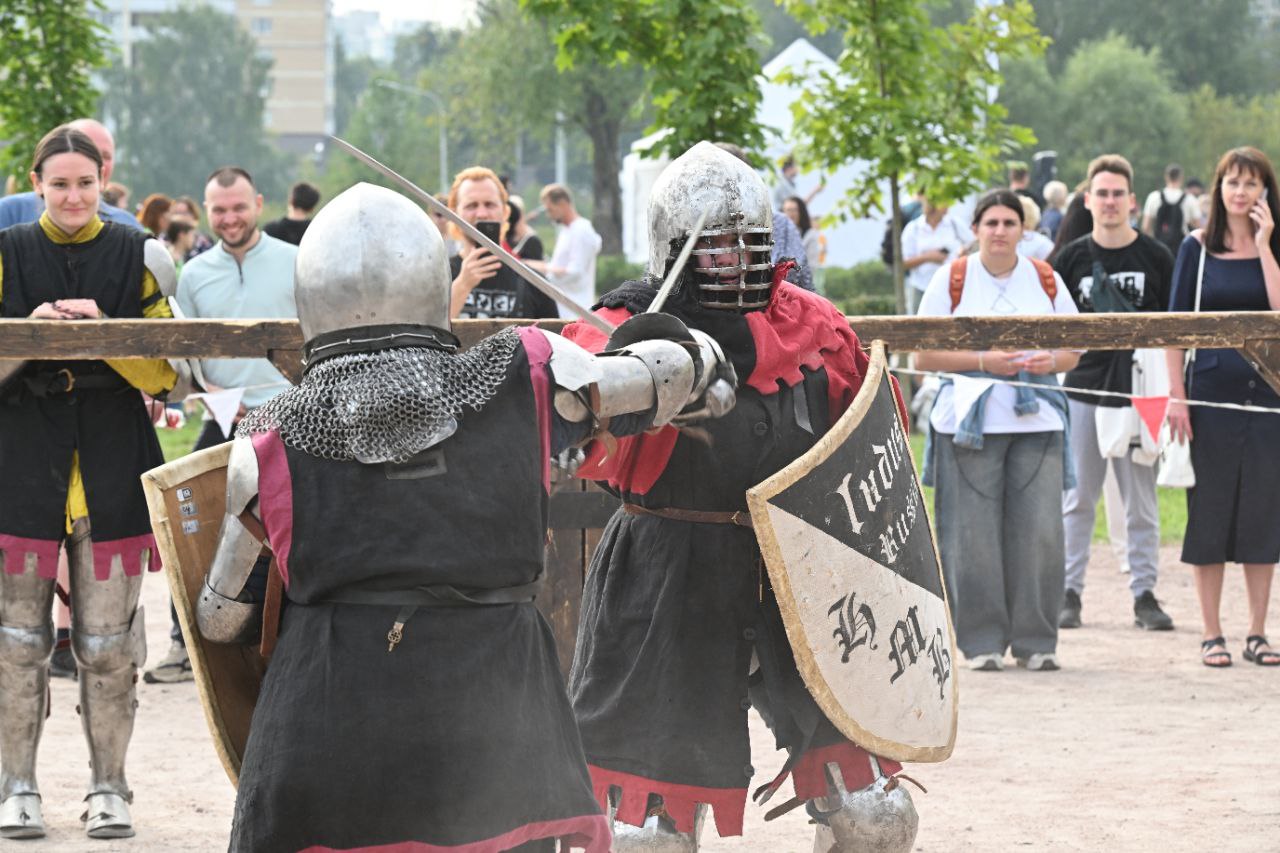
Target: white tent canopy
(848, 242)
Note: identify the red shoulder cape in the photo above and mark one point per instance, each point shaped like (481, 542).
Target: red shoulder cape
(797, 329)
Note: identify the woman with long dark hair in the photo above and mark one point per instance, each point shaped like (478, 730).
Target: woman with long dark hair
(74, 438)
(1000, 462)
(1233, 512)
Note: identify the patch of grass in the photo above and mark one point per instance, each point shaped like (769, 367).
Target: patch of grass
(177, 443)
(1172, 504)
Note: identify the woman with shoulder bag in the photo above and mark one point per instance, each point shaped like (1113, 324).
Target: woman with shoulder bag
(1233, 508)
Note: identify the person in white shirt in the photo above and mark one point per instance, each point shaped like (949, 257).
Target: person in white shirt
(928, 241)
(1172, 194)
(572, 267)
(997, 454)
(1033, 244)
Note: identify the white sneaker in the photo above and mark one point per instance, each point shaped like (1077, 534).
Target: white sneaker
(175, 667)
(1040, 662)
(987, 663)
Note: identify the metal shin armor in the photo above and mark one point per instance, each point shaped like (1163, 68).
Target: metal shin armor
(221, 615)
(371, 257)
(26, 644)
(880, 817)
(737, 238)
(658, 835)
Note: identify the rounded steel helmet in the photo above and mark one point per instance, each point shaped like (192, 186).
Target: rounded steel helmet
(371, 257)
(706, 177)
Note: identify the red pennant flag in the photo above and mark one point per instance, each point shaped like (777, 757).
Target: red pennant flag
(1151, 410)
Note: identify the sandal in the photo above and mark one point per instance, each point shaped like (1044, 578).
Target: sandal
(1254, 653)
(1213, 652)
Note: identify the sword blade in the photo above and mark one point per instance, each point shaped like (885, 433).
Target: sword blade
(678, 267)
(516, 265)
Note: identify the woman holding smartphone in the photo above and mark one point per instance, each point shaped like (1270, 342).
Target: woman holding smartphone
(1233, 509)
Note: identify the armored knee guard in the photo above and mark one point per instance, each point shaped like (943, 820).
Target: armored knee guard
(658, 835)
(24, 704)
(880, 817)
(108, 673)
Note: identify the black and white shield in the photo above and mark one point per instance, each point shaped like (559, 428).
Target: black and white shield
(850, 552)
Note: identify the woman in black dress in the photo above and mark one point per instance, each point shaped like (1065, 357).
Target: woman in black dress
(1232, 511)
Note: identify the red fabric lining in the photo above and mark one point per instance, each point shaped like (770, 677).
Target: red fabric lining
(130, 551)
(801, 329)
(275, 497)
(727, 804)
(810, 779)
(637, 461)
(590, 832)
(538, 349)
(16, 548)
(797, 329)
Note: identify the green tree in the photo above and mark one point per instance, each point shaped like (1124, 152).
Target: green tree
(909, 99)
(511, 74)
(193, 99)
(50, 49)
(700, 58)
(1030, 94)
(397, 127)
(1215, 42)
(1141, 116)
(1217, 124)
(351, 77)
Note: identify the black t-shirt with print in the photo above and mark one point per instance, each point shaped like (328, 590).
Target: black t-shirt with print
(504, 295)
(1142, 271)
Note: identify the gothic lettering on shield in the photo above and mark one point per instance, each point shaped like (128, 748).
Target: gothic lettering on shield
(941, 657)
(856, 625)
(865, 494)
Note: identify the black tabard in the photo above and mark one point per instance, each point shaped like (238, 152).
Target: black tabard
(108, 426)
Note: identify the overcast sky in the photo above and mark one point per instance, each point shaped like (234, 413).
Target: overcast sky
(449, 13)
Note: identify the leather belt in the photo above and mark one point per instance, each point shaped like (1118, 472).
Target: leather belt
(47, 383)
(434, 595)
(740, 517)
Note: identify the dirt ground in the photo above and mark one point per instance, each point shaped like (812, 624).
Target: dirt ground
(1133, 746)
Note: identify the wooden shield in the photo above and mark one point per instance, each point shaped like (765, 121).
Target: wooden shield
(852, 559)
(187, 499)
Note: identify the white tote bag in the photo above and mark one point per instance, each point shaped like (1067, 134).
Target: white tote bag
(1176, 471)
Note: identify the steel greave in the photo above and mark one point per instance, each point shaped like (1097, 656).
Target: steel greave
(24, 704)
(109, 644)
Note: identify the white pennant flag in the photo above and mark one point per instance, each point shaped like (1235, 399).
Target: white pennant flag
(967, 392)
(223, 405)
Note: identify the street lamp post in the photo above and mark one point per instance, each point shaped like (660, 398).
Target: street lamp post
(444, 131)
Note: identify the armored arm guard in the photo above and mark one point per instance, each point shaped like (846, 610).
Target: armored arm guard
(652, 363)
(223, 613)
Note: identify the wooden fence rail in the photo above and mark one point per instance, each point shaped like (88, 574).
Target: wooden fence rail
(579, 510)
(1255, 333)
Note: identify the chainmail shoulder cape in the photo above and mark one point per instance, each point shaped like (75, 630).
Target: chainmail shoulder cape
(384, 406)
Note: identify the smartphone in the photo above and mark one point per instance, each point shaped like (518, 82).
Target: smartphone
(490, 229)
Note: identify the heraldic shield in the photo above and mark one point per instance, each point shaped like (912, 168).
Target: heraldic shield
(851, 556)
(187, 499)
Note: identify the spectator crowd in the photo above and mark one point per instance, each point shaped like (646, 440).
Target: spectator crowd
(1020, 446)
